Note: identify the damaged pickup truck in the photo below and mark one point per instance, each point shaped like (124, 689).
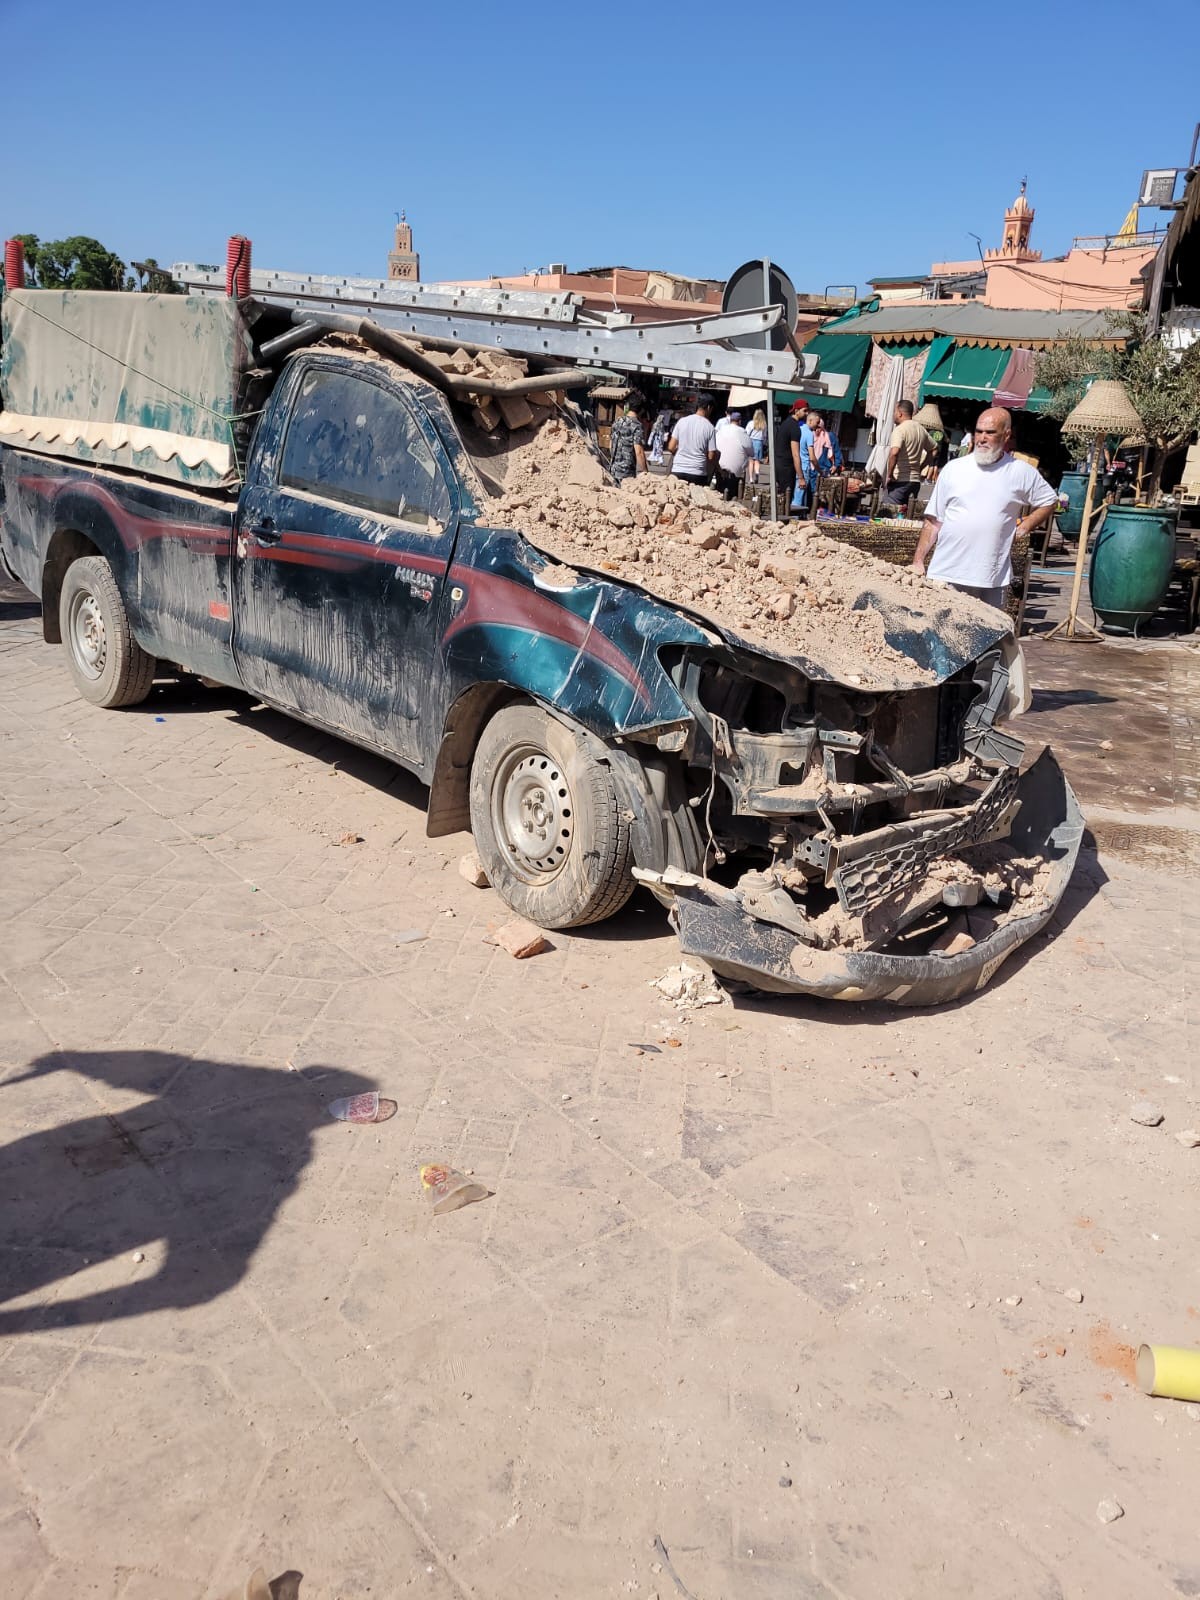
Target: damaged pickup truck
(330, 523)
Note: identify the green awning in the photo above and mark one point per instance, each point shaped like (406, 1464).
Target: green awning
(937, 350)
(838, 352)
(967, 372)
(1039, 399)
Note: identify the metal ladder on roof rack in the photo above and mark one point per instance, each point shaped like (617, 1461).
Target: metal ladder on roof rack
(555, 326)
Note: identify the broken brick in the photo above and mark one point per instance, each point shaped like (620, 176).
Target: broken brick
(520, 939)
(471, 868)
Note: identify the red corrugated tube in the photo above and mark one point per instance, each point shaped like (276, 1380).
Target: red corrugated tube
(237, 267)
(14, 264)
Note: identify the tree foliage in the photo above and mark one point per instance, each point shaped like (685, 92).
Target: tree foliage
(153, 279)
(1067, 370)
(1162, 381)
(81, 262)
(75, 263)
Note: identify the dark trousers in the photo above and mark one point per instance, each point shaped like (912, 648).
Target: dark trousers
(727, 483)
(692, 477)
(785, 483)
(901, 492)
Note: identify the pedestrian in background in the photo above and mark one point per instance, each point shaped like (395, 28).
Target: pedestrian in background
(757, 432)
(910, 449)
(627, 451)
(734, 453)
(978, 506)
(659, 434)
(691, 447)
(824, 451)
(802, 498)
(788, 463)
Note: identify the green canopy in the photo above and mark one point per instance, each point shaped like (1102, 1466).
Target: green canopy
(967, 372)
(843, 353)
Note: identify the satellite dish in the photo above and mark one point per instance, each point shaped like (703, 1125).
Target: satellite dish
(761, 283)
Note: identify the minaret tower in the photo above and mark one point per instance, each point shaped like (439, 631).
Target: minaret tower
(403, 261)
(1018, 223)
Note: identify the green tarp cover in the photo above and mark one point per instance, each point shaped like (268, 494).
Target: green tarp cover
(967, 372)
(145, 381)
(838, 352)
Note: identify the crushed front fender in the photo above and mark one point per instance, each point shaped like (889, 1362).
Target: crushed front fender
(713, 924)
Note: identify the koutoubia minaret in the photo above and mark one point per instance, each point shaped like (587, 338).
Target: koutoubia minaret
(1018, 223)
(403, 261)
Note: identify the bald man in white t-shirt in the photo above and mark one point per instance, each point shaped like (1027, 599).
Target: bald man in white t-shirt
(978, 506)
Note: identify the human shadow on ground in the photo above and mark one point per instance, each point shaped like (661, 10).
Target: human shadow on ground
(193, 1173)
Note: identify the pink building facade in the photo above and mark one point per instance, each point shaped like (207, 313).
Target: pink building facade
(1096, 274)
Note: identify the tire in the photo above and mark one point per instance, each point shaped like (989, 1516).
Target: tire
(548, 824)
(109, 666)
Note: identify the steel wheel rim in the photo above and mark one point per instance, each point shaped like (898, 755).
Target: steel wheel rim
(533, 814)
(88, 635)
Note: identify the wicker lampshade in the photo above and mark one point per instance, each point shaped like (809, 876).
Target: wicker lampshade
(1105, 408)
(930, 417)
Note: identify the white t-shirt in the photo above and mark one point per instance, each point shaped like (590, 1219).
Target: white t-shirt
(979, 508)
(694, 435)
(734, 448)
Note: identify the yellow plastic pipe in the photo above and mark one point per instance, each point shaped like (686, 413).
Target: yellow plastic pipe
(1167, 1370)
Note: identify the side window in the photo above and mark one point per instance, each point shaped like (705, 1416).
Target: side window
(351, 441)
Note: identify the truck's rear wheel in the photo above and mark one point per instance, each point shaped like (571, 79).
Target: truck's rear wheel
(548, 825)
(109, 666)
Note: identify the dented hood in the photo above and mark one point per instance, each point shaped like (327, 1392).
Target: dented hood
(936, 646)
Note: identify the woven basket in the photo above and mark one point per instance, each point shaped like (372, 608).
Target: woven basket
(896, 542)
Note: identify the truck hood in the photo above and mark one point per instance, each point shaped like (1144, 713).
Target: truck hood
(933, 640)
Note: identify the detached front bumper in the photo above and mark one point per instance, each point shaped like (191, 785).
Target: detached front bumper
(714, 924)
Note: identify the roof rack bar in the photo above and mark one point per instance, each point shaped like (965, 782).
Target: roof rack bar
(533, 324)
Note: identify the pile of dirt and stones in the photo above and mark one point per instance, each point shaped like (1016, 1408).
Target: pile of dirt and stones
(782, 586)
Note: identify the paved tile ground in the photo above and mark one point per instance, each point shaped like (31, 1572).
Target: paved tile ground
(790, 1296)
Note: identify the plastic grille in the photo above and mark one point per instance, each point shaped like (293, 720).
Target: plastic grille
(863, 882)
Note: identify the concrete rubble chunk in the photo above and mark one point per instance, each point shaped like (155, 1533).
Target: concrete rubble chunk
(1110, 1510)
(1146, 1113)
(471, 868)
(585, 473)
(1189, 1138)
(517, 413)
(688, 986)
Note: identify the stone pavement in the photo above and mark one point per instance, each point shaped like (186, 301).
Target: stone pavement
(800, 1295)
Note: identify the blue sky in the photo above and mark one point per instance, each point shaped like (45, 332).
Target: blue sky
(844, 143)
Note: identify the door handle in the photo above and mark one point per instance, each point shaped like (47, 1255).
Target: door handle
(265, 532)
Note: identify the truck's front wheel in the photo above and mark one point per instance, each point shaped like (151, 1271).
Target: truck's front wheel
(109, 666)
(548, 825)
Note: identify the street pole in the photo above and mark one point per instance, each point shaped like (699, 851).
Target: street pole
(1072, 622)
(771, 455)
(766, 339)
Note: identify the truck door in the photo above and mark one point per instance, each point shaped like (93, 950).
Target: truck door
(344, 536)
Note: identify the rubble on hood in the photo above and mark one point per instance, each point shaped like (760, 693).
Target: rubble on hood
(781, 587)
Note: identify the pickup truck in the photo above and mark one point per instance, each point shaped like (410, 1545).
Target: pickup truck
(587, 733)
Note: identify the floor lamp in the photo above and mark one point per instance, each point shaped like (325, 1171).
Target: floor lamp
(1106, 408)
